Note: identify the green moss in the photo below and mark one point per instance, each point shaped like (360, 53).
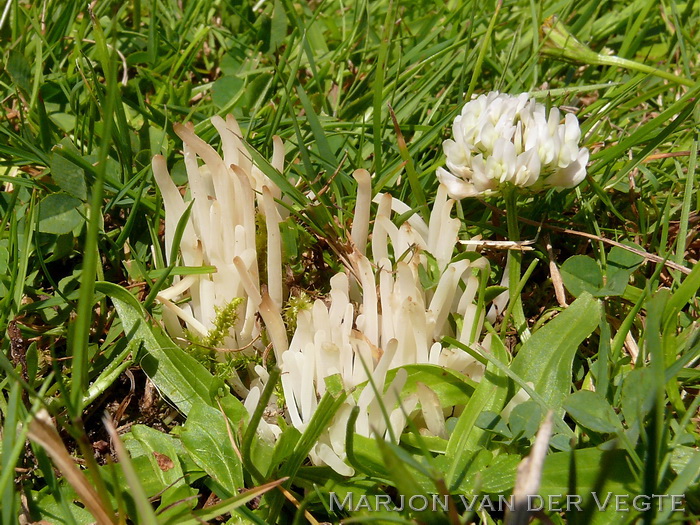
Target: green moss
(225, 319)
(207, 350)
(295, 305)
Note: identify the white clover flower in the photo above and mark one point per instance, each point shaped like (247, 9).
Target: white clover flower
(502, 140)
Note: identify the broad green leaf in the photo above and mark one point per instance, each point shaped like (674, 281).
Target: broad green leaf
(471, 480)
(685, 292)
(256, 88)
(69, 176)
(334, 384)
(233, 409)
(493, 422)
(592, 411)
(44, 504)
(492, 292)
(546, 359)
(226, 90)
(621, 264)
(432, 443)
(683, 456)
(162, 452)
(467, 437)
(349, 490)
(178, 376)
(614, 479)
(368, 456)
(524, 419)
(226, 506)
(320, 421)
(686, 482)
(59, 247)
(145, 512)
(229, 64)
(452, 388)
(58, 213)
(278, 26)
(560, 442)
(65, 121)
(284, 447)
(636, 399)
(325, 411)
(206, 438)
(580, 274)
(499, 476)
(20, 71)
(632, 294)
(408, 481)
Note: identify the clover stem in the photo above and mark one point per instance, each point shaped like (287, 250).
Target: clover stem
(514, 264)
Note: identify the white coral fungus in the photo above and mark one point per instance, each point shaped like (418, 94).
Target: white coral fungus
(378, 316)
(501, 140)
(221, 232)
(393, 321)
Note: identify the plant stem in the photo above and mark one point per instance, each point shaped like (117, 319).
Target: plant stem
(514, 264)
(643, 68)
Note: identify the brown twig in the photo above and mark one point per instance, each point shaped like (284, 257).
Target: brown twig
(646, 255)
(672, 154)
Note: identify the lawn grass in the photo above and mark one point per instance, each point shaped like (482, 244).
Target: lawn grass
(88, 97)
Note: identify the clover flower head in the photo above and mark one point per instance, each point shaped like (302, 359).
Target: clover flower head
(500, 140)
